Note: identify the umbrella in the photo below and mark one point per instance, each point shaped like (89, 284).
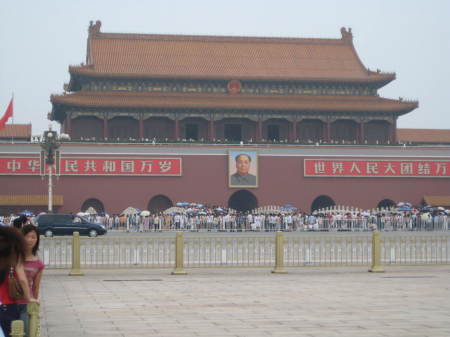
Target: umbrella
(91, 210)
(404, 208)
(27, 213)
(130, 211)
(145, 213)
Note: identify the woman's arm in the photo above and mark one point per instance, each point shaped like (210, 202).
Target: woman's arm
(23, 281)
(37, 284)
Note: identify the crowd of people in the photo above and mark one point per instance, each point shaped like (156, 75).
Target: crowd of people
(228, 220)
(20, 272)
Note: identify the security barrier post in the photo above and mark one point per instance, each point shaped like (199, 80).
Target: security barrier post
(33, 312)
(376, 253)
(279, 254)
(76, 266)
(179, 255)
(17, 329)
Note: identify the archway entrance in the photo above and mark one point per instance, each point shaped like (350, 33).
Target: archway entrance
(95, 204)
(159, 203)
(242, 201)
(321, 202)
(386, 203)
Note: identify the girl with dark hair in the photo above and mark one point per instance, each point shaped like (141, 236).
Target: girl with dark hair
(12, 255)
(33, 269)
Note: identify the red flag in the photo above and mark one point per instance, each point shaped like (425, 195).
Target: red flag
(8, 113)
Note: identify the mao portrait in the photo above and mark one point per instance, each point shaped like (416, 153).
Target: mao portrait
(243, 169)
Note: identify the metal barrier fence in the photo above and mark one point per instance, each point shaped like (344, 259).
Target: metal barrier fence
(229, 251)
(422, 248)
(327, 250)
(110, 252)
(392, 222)
(308, 249)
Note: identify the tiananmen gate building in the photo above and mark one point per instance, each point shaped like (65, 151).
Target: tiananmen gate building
(157, 119)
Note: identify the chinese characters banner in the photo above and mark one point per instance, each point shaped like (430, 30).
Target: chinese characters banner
(376, 168)
(105, 166)
(20, 165)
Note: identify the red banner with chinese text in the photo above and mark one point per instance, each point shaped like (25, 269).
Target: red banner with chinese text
(87, 166)
(376, 168)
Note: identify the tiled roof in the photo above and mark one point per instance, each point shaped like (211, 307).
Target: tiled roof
(423, 135)
(437, 200)
(224, 57)
(226, 101)
(16, 131)
(30, 200)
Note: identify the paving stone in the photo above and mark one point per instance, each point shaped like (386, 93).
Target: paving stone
(248, 302)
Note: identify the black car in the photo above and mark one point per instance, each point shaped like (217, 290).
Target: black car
(66, 224)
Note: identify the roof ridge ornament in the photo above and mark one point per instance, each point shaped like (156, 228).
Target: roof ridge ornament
(347, 35)
(94, 29)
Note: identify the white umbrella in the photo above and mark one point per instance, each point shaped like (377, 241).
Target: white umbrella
(130, 211)
(91, 210)
(145, 213)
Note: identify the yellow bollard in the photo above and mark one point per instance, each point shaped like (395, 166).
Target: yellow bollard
(33, 312)
(179, 255)
(376, 253)
(17, 329)
(279, 254)
(76, 266)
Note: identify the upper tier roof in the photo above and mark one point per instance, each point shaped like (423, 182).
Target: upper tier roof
(225, 57)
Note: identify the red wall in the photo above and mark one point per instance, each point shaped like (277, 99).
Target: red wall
(205, 179)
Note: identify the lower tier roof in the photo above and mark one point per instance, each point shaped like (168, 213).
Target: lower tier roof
(109, 99)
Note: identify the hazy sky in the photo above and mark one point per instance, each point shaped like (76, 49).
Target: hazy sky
(40, 39)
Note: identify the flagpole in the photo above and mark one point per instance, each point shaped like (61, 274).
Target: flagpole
(12, 117)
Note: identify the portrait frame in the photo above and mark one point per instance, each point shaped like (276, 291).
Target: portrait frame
(234, 179)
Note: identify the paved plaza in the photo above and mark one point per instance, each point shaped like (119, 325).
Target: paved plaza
(344, 301)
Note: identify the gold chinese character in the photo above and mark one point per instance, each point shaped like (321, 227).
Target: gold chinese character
(389, 167)
(71, 165)
(13, 165)
(34, 165)
(319, 167)
(127, 166)
(109, 166)
(423, 168)
(146, 166)
(89, 165)
(355, 168)
(441, 169)
(372, 168)
(337, 167)
(165, 166)
(406, 168)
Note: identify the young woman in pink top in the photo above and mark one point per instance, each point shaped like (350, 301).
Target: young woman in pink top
(33, 269)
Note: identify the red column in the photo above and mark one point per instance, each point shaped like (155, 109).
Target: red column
(260, 130)
(141, 127)
(327, 132)
(361, 133)
(394, 131)
(105, 127)
(69, 125)
(212, 134)
(177, 127)
(294, 131)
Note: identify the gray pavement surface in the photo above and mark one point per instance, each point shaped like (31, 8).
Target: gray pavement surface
(344, 301)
